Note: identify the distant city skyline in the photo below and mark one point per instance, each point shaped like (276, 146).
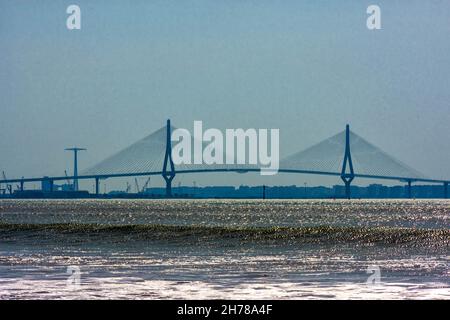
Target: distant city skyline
(372, 191)
(303, 67)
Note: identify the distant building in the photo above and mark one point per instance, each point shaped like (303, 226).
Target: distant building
(46, 185)
(373, 191)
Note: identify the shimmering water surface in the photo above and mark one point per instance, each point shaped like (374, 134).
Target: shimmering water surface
(279, 249)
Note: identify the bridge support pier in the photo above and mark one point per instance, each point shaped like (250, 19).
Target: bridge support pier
(347, 177)
(409, 190)
(168, 186)
(445, 190)
(168, 171)
(347, 183)
(97, 186)
(22, 185)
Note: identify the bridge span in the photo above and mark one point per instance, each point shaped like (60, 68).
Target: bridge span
(341, 151)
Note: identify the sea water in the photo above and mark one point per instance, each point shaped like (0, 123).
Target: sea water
(220, 249)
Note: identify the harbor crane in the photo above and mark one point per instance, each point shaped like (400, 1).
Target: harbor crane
(75, 165)
(8, 186)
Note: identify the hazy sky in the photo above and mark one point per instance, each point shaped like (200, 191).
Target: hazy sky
(306, 67)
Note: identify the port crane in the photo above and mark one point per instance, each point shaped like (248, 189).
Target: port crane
(146, 184)
(68, 180)
(8, 186)
(75, 151)
(137, 185)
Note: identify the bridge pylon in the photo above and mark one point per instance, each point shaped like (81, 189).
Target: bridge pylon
(347, 177)
(168, 171)
(409, 189)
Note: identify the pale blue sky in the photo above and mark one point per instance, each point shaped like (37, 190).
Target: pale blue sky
(306, 67)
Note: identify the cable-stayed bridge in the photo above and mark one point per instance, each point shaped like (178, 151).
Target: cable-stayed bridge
(345, 155)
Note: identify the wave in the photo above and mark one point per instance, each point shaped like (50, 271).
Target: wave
(315, 234)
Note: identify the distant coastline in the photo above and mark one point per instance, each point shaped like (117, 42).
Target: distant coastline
(373, 191)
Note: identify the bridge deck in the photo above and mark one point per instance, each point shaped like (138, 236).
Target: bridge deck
(235, 170)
